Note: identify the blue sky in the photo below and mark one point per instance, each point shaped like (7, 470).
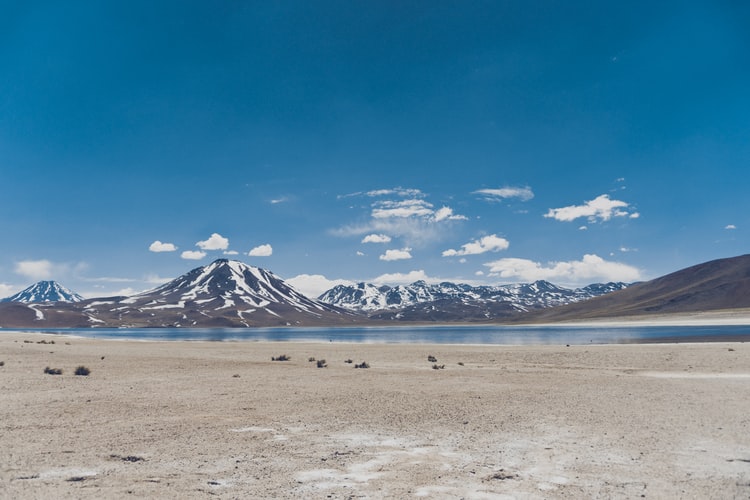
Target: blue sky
(484, 142)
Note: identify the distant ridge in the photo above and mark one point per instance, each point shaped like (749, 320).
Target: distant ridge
(44, 291)
(233, 294)
(716, 285)
(448, 301)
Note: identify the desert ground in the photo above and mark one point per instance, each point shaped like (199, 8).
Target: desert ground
(202, 419)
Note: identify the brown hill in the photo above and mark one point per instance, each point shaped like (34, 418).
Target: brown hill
(714, 285)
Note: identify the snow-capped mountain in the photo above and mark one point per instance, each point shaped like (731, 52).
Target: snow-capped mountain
(44, 291)
(366, 297)
(223, 293)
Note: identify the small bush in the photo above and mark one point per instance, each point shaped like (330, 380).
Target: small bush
(348, 361)
(311, 359)
(322, 363)
(83, 371)
(129, 458)
(53, 371)
(2, 363)
(460, 363)
(438, 367)
(283, 357)
(431, 358)
(363, 364)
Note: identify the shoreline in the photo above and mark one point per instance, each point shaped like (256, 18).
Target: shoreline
(515, 333)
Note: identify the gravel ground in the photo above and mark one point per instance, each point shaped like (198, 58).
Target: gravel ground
(201, 419)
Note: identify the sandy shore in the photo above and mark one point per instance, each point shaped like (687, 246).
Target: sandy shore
(197, 419)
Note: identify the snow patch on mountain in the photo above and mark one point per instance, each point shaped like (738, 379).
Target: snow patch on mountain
(44, 291)
(366, 297)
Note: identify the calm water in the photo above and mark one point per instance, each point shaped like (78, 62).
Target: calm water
(423, 334)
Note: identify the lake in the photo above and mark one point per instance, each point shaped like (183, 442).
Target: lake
(460, 334)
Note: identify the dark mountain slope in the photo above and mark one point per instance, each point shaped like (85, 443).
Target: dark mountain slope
(714, 285)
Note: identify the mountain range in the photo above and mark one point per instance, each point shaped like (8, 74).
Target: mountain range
(447, 301)
(221, 294)
(229, 293)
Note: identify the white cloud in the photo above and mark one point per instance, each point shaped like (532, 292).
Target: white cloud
(522, 193)
(231, 252)
(601, 207)
(158, 246)
(108, 279)
(215, 242)
(413, 207)
(313, 285)
(403, 213)
(404, 208)
(155, 279)
(276, 201)
(446, 213)
(489, 243)
(8, 290)
(361, 254)
(376, 238)
(583, 228)
(402, 254)
(385, 192)
(261, 251)
(192, 254)
(402, 278)
(479, 273)
(35, 269)
(399, 191)
(591, 268)
(730, 226)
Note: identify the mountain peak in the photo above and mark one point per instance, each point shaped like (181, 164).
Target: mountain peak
(44, 291)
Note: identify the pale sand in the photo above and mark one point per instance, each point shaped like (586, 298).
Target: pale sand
(198, 419)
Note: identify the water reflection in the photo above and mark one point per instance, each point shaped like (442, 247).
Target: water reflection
(508, 335)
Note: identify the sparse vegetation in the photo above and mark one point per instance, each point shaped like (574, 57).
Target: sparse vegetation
(363, 364)
(129, 458)
(460, 363)
(283, 357)
(322, 363)
(311, 359)
(82, 371)
(349, 361)
(431, 358)
(53, 371)
(2, 363)
(438, 367)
